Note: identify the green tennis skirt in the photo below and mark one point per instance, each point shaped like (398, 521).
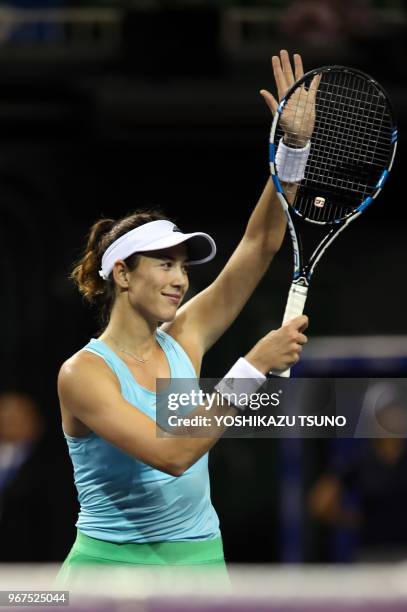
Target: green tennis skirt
(88, 551)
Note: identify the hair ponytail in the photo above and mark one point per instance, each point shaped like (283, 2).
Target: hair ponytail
(86, 271)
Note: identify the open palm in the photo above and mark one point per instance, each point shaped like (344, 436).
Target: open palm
(298, 116)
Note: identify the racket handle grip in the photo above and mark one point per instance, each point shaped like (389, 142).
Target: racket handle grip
(295, 302)
(294, 308)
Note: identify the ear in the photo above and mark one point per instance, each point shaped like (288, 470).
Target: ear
(121, 274)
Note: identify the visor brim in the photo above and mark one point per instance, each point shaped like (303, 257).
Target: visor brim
(201, 247)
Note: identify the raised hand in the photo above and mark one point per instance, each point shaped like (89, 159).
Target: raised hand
(298, 116)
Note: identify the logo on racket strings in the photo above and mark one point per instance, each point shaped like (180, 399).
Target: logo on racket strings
(319, 202)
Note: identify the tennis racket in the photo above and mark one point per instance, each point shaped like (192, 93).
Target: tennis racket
(352, 150)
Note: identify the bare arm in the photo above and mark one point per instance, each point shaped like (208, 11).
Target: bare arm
(202, 320)
(208, 315)
(90, 391)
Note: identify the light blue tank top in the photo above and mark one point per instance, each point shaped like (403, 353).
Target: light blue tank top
(124, 500)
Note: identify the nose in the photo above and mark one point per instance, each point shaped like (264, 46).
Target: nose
(180, 278)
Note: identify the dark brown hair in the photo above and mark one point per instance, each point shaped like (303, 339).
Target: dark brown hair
(102, 234)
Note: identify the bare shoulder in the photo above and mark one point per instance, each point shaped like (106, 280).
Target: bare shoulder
(81, 380)
(91, 401)
(81, 366)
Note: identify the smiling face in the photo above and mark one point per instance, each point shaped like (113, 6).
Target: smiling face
(159, 282)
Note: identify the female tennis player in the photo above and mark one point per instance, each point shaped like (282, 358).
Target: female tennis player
(145, 499)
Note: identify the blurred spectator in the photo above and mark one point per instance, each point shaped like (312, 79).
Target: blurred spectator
(367, 492)
(36, 516)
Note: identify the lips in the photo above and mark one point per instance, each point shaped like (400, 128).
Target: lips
(173, 297)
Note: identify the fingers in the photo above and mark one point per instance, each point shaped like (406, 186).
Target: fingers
(298, 340)
(287, 70)
(298, 67)
(283, 72)
(295, 338)
(280, 349)
(302, 339)
(279, 76)
(299, 323)
(270, 100)
(313, 88)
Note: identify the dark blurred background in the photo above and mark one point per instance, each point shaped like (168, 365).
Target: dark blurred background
(107, 106)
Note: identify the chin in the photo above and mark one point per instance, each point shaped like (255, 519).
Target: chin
(166, 315)
(167, 318)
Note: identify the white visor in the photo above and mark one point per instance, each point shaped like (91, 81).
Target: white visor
(154, 236)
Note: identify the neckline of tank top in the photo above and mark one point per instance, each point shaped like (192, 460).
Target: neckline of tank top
(161, 341)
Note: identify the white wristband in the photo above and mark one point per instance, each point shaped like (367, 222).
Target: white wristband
(290, 163)
(240, 382)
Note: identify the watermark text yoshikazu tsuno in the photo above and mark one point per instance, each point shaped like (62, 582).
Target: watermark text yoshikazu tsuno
(292, 407)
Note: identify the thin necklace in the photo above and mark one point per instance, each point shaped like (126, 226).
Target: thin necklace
(122, 350)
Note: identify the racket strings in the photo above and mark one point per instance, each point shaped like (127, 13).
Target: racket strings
(345, 144)
(344, 139)
(354, 122)
(350, 146)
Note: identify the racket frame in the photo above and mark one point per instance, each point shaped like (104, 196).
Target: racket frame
(303, 273)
